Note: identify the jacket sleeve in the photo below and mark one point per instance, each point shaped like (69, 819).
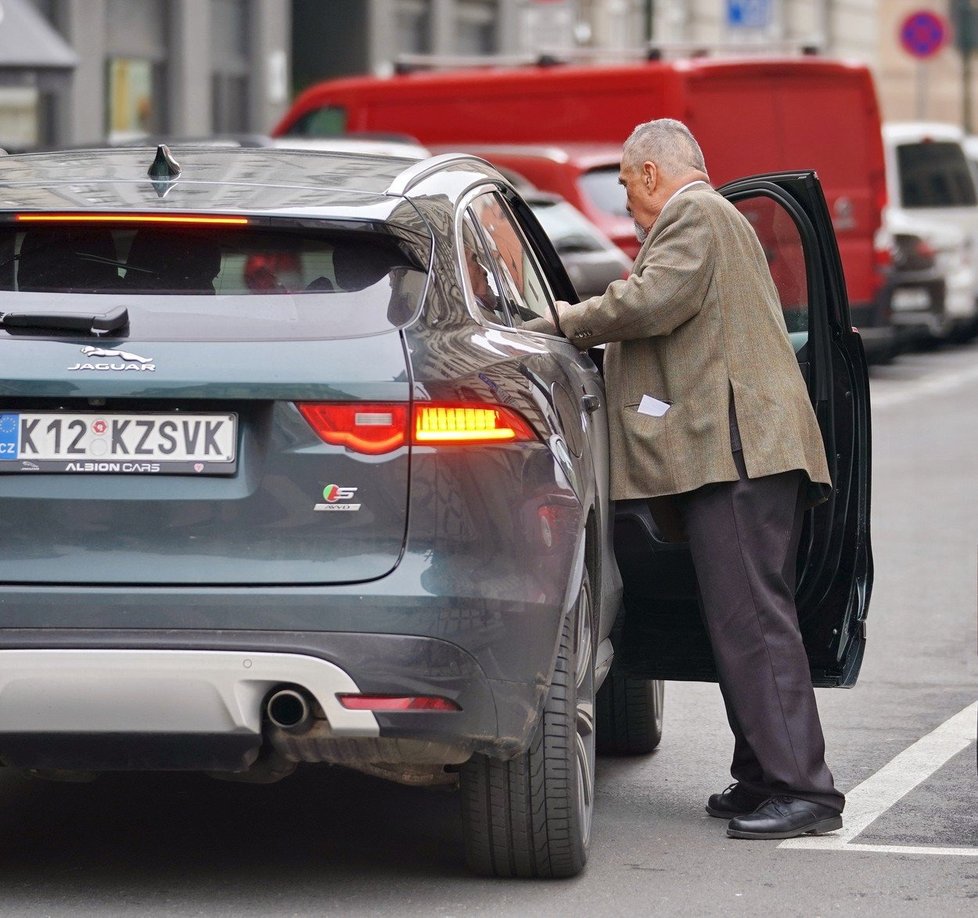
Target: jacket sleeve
(666, 290)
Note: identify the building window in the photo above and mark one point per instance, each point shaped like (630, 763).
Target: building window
(413, 24)
(136, 67)
(229, 77)
(135, 98)
(476, 27)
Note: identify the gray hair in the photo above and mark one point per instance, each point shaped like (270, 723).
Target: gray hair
(666, 142)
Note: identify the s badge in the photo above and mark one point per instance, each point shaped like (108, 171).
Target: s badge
(337, 498)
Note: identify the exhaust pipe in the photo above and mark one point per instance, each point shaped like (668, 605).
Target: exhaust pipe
(288, 709)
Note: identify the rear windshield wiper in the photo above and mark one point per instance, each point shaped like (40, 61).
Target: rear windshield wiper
(98, 324)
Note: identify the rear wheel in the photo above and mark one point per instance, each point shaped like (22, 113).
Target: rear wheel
(531, 816)
(629, 714)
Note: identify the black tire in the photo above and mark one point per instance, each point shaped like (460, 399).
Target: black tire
(531, 816)
(629, 714)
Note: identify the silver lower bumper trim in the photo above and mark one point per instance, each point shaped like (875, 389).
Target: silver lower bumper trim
(163, 691)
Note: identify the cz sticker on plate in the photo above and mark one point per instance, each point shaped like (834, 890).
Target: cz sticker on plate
(132, 443)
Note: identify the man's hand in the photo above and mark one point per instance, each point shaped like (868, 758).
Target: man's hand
(560, 306)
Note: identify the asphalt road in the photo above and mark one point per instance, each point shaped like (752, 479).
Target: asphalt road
(328, 842)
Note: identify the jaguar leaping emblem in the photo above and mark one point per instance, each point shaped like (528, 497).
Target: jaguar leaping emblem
(123, 355)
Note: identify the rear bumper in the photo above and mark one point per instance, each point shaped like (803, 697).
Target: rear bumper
(106, 700)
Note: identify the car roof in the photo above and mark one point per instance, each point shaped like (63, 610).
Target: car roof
(255, 180)
(580, 154)
(914, 131)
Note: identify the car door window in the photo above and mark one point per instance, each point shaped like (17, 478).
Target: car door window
(781, 240)
(482, 278)
(527, 294)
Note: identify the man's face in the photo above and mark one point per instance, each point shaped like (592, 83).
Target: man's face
(639, 197)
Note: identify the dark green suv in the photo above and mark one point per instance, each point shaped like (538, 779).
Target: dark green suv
(294, 468)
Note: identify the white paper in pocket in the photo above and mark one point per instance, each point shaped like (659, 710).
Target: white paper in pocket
(653, 406)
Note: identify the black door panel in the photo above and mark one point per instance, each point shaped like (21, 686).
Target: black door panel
(663, 635)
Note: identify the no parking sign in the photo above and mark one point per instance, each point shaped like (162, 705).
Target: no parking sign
(923, 33)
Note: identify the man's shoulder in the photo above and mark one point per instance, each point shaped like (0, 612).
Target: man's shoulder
(699, 199)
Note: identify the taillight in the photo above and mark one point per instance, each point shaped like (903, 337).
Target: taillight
(883, 257)
(924, 250)
(376, 428)
(397, 703)
(360, 426)
(468, 424)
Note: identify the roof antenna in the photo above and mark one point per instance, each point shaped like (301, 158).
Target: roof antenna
(163, 170)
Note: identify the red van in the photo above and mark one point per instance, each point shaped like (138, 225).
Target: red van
(750, 116)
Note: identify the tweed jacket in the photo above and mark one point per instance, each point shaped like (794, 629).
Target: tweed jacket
(699, 319)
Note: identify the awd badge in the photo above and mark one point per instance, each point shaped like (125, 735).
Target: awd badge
(337, 498)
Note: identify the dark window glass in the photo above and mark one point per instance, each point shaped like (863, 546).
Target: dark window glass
(213, 281)
(328, 121)
(935, 174)
(601, 188)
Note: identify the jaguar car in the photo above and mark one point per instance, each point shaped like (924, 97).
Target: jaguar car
(295, 467)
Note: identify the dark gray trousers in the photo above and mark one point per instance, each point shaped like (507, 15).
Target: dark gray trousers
(743, 537)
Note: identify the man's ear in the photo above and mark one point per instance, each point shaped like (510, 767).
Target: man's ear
(650, 175)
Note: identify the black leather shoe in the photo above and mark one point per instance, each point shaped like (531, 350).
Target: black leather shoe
(734, 801)
(785, 817)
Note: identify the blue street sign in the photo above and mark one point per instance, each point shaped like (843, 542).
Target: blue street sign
(748, 14)
(923, 33)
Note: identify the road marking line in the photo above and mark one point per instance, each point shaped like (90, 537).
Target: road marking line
(933, 386)
(869, 800)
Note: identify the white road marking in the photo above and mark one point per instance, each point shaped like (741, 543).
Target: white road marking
(869, 800)
(935, 385)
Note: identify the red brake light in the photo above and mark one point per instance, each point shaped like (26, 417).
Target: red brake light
(129, 218)
(397, 703)
(360, 426)
(376, 428)
(924, 249)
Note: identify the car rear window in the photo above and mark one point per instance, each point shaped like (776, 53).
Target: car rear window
(935, 174)
(601, 188)
(236, 282)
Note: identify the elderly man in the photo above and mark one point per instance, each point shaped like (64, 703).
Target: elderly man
(711, 420)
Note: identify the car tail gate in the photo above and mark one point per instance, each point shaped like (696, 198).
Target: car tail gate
(189, 404)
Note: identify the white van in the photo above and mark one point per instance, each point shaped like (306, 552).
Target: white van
(930, 187)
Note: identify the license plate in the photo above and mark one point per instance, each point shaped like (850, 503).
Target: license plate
(910, 298)
(169, 444)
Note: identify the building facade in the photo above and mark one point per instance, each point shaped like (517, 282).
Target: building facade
(370, 36)
(78, 71)
(180, 67)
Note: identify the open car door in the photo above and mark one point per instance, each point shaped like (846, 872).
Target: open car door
(662, 635)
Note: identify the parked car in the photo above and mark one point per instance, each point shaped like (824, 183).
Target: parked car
(929, 285)
(930, 182)
(360, 515)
